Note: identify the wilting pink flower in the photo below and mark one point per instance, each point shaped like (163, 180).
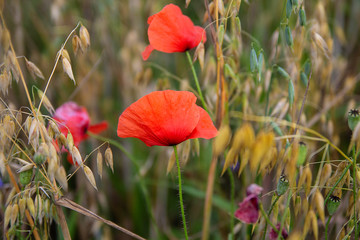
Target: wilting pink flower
(248, 211)
(273, 235)
(74, 118)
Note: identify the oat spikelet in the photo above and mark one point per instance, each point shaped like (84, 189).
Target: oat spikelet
(2, 163)
(221, 140)
(22, 206)
(90, 176)
(319, 203)
(84, 37)
(76, 156)
(14, 213)
(99, 163)
(325, 174)
(244, 137)
(185, 152)
(230, 159)
(65, 58)
(34, 70)
(109, 158)
(263, 143)
(171, 162)
(46, 102)
(200, 54)
(321, 44)
(60, 176)
(30, 206)
(5, 80)
(7, 215)
(76, 44)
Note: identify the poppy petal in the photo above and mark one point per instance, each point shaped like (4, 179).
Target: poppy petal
(146, 53)
(248, 211)
(97, 128)
(163, 118)
(205, 127)
(171, 31)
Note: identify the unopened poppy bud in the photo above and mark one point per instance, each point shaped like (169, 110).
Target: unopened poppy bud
(303, 78)
(302, 154)
(253, 60)
(25, 177)
(353, 118)
(282, 186)
(288, 8)
(302, 17)
(288, 36)
(333, 204)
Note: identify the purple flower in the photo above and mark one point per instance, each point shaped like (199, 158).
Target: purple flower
(273, 235)
(248, 211)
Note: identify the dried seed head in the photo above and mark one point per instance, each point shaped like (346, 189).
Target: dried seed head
(109, 158)
(230, 159)
(5, 80)
(200, 54)
(244, 159)
(34, 130)
(30, 206)
(262, 146)
(22, 206)
(2, 163)
(318, 199)
(12, 63)
(7, 215)
(67, 65)
(11, 195)
(90, 176)
(76, 156)
(34, 70)
(187, 2)
(171, 162)
(38, 204)
(69, 141)
(60, 176)
(52, 168)
(99, 163)
(325, 174)
(221, 140)
(85, 38)
(185, 152)
(46, 102)
(53, 126)
(5, 39)
(14, 213)
(76, 44)
(321, 44)
(244, 137)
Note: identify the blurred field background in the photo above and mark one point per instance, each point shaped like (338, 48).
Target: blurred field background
(111, 75)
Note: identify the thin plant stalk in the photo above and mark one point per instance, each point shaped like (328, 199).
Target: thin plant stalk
(232, 200)
(180, 193)
(327, 227)
(354, 192)
(196, 81)
(269, 213)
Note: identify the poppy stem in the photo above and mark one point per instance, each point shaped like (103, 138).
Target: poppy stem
(180, 193)
(196, 80)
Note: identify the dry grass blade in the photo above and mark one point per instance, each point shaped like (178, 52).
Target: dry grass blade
(90, 176)
(64, 202)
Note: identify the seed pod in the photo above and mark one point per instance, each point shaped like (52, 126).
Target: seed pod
(288, 8)
(303, 78)
(99, 163)
(291, 92)
(353, 118)
(302, 17)
(90, 176)
(302, 154)
(333, 204)
(282, 186)
(84, 37)
(221, 140)
(25, 176)
(282, 72)
(109, 158)
(221, 32)
(253, 60)
(288, 36)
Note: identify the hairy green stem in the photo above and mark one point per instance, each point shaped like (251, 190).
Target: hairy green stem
(180, 193)
(282, 222)
(327, 227)
(232, 199)
(269, 212)
(265, 215)
(196, 80)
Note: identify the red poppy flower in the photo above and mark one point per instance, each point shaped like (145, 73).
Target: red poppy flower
(248, 211)
(171, 31)
(71, 117)
(166, 118)
(273, 235)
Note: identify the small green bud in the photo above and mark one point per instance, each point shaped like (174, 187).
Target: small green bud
(282, 186)
(288, 36)
(282, 72)
(39, 158)
(333, 204)
(25, 177)
(288, 8)
(302, 17)
(253, 60)
(291, 92)
(302, 154)
(307, 67)
(303, 78)
(353, 118)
